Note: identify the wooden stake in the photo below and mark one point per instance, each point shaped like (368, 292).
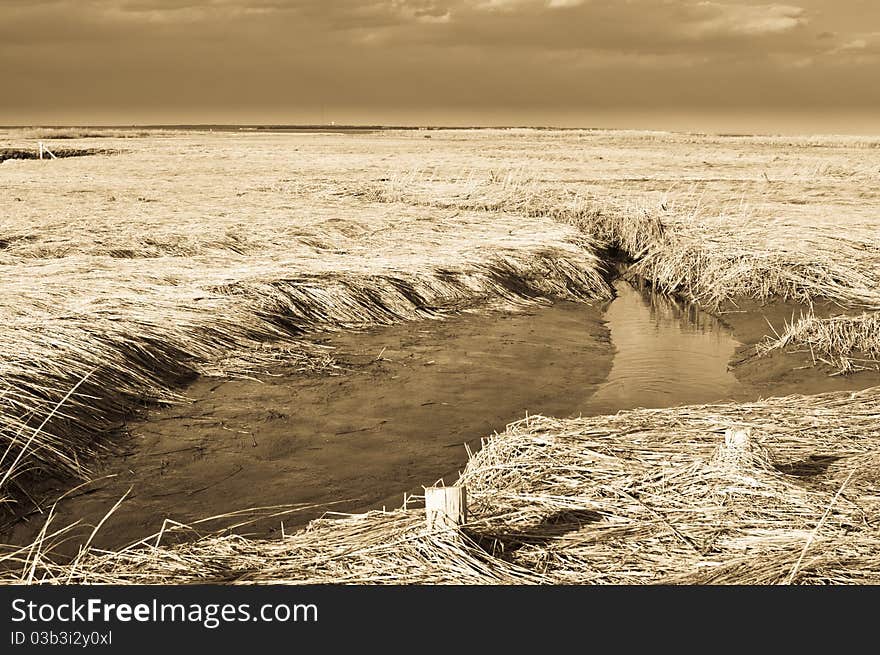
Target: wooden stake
(44, 149)
(446, 507)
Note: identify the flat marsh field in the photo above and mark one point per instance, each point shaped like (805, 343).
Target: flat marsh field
(197, 324)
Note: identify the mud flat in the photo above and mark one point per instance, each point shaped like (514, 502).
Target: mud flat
(788, 371)
(396, 417)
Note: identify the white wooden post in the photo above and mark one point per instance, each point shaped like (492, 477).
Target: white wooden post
(45, 151)
(446, 507)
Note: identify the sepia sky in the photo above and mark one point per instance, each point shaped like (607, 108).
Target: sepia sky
(809, 65)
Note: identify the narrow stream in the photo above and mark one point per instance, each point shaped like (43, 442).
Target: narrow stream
(397, 416)
(667, 352)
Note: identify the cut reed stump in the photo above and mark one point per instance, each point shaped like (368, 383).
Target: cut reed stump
(741, 451)
(446, 507)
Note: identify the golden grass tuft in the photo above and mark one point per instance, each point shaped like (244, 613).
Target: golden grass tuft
(845, 343)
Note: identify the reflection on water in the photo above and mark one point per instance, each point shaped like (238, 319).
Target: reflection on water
(668, 352)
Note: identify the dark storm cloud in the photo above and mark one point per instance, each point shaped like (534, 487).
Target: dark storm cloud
(250, 56)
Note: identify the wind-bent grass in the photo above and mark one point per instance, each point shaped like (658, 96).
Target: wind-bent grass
(645, 496)
(707, 254)
(146, 312)
(845, 343)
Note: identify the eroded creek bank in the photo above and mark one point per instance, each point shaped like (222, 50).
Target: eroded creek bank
(409, 397)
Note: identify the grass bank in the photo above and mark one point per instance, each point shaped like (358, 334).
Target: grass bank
(709, 253)
(844, 343)
(99, 320)
(777, 491)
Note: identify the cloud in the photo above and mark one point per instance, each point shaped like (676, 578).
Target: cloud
(857, 44)
(564, 4)
(861, 48)
(645, 26)
(718, 19)
(410, 53)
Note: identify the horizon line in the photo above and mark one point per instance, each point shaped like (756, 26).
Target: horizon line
(392, 127)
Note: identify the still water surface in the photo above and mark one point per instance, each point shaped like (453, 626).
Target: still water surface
(668, 352)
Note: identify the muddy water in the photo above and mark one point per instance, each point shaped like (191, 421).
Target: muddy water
(668, 352)
(410, 396)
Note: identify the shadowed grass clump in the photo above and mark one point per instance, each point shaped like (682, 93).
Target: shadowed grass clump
(845, 343)
(60, 153)
(699, 494)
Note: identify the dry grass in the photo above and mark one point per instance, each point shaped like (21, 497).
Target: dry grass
(143, 330)
(657, 496)
(778, 491)
(142, 308)
(712, 254)
(845, 343)
(188, 253)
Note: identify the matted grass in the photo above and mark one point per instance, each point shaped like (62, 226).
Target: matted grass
(773, 492)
